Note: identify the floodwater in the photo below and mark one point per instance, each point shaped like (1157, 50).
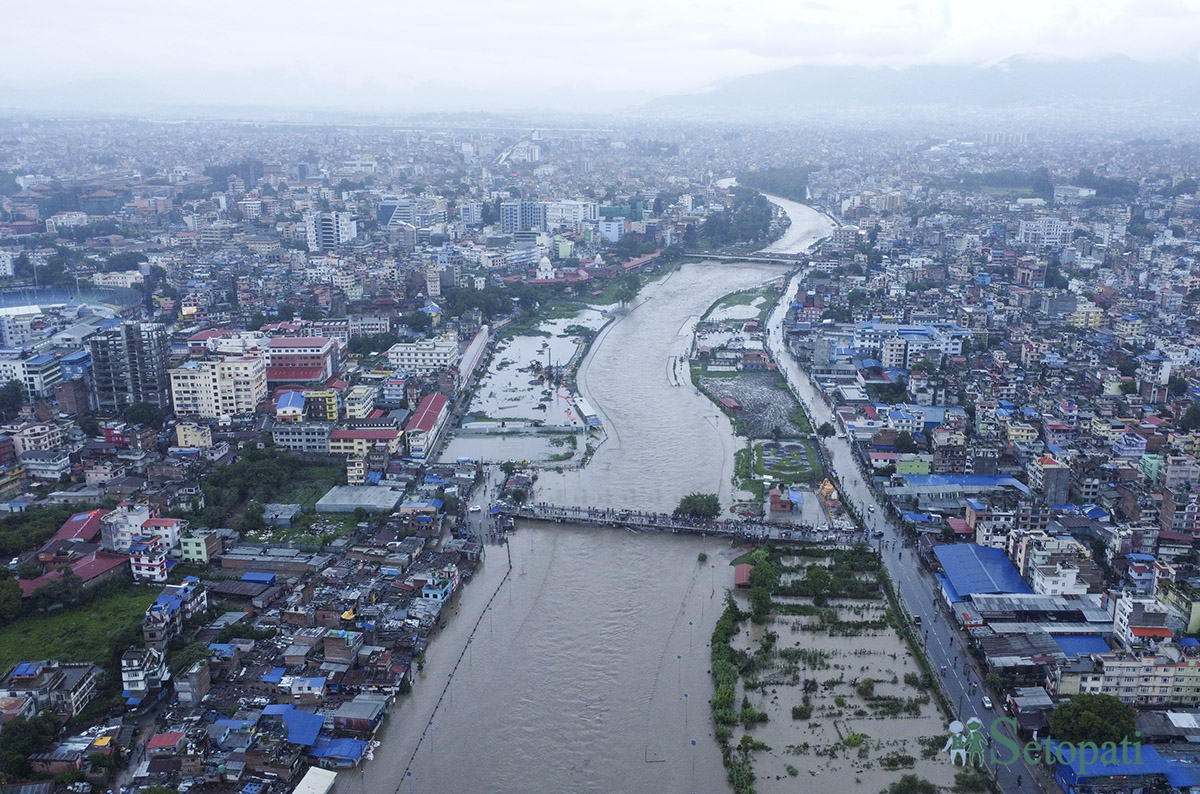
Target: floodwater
(575, 678)
(664, 439)
(584, 666)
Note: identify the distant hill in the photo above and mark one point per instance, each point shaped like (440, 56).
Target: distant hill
(1115, 82)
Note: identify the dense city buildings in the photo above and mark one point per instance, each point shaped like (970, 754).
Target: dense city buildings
(237, 360)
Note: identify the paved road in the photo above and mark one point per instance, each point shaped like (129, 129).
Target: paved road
(944, 642)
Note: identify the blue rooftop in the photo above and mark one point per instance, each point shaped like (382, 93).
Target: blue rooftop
(224, 649)
(967, 481)
(351, 749)
(1137, 760)
(290, 399)
(303, 727)
(28, 668)
(973, 569)
(1075, 646)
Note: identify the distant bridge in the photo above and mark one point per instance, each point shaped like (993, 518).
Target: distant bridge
(748, 256)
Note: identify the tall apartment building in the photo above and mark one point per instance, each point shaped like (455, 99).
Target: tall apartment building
(570, 213)
(521, 215)
(326, 231)
(470, 213)
(129, 365)
(1045, 232)
(211, 389)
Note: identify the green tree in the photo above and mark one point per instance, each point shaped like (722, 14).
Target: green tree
(1191, 418)
(10, 599)
(12, 397)
(699, 505)
(826, 430)
(905, 443)
(1127, 367)
(1093, 718)
(21, 737)
(142, 413)
(1043, 185)
(418, 321)
(186, 656)
(1177, 386)
(627, 288)
(911, 784)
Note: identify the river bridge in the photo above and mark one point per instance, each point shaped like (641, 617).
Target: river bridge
(747, 256)
(745, 529)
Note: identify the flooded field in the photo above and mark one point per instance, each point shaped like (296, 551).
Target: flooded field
(847, 706)
(512, 390)
(500, 447)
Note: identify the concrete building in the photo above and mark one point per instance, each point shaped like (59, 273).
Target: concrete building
(129, 365)
(301, 359)
(193, 436)
(200, 546)
(424, 356)
(38, 375)
(426, 424)
(520, 215)
(310, 438)
(143, 671)
(326, 231)
(1050, 477)
(360, 401)
(211, 389)
(348, 498)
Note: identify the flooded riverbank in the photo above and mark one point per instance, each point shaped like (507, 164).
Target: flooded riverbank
(589, 671)
(577, 676)
(664, 439)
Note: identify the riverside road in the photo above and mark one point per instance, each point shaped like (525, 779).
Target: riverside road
(944, 643)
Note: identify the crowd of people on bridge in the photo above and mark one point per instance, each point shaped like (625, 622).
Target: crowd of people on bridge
(750, 529)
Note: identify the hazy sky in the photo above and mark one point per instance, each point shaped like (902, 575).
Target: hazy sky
(498, 54)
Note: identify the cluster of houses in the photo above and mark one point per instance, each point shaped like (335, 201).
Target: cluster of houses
(296, 657)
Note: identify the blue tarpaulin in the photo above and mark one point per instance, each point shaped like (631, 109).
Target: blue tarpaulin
(1075, 646)
(344, 749)
(303, 727)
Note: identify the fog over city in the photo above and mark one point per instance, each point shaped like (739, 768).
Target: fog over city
(530, 55)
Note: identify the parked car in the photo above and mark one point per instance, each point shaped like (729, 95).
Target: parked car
(987, 702)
